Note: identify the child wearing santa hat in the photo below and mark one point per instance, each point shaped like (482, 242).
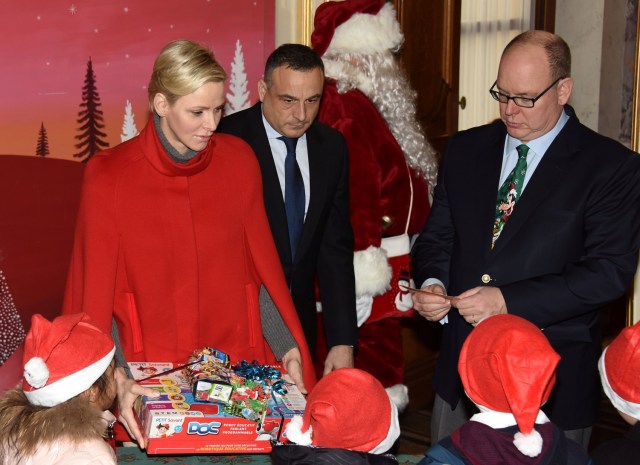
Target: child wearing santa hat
(619, 366)
(507, 368)
(59, 414)
(349, 418)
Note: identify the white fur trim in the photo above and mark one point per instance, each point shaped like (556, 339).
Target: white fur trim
(372, 271)
(294, 433)
(399, 395)
(529, 444)
(367, 34)
(498, 420)
(396, 246)
(70, 386)
(392, 435)
(36, 372)
(630, 408)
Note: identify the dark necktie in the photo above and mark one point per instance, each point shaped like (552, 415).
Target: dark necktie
(293, 194)
(509, 192)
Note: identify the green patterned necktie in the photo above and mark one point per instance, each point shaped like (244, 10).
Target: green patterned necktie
(509, 192)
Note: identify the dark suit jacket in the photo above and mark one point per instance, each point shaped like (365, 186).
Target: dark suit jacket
(325, 248)
(570, 246)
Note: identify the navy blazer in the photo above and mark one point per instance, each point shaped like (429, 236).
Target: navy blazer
(325, 249)
(570, 246)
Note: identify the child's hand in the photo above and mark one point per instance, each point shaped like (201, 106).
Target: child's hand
(127, 392)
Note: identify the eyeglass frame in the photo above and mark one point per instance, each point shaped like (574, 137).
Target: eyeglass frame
(496, 95)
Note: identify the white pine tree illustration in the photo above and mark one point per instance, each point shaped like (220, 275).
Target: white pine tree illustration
(238, 97)
(129, 129)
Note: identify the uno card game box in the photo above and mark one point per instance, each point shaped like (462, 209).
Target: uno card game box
(219, 412)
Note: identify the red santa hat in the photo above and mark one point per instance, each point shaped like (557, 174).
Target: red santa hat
(361, 26)
(347, 409)
(619, 366)
(63, 358)
(507, 365)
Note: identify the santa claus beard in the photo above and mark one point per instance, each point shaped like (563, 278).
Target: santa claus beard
(385, 83)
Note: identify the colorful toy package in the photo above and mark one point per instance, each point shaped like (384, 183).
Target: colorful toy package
(210, 406)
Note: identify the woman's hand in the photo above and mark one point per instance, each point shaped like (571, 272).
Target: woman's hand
(292, 362)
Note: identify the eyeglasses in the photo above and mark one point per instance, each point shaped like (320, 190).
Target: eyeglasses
(525, 102)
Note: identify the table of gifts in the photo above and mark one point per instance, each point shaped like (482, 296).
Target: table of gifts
(134, 456)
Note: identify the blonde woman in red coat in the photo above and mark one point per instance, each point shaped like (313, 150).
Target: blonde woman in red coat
(172, 240)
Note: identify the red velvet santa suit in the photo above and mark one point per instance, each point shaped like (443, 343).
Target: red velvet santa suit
(382, 186)
(177, 252)
(389, 197)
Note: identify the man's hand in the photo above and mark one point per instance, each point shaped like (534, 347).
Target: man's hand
(432, 307)
(338, 357)
(127, 392)
(292, 362)
(479, 303)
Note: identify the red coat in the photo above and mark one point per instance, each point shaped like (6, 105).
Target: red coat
(177, 252)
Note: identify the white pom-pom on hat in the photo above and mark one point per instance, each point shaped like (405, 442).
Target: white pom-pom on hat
(36, 372)
(294, 432)
(529, 444)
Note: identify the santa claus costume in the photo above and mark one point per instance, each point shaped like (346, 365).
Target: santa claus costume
(392, 168)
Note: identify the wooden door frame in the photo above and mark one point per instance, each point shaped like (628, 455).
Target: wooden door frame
(545, 15)
(633, 303)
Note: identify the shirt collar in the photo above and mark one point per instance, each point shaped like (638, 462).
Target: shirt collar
(273, 134)
(542, 143)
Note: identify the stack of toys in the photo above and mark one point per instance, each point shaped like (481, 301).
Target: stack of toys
(211, 406)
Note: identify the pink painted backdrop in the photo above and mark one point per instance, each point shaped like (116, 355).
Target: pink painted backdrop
(46, 45)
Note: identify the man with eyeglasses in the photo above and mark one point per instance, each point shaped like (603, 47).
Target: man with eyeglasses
(534, 215)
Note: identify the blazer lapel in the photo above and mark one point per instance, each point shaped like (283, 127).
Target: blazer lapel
(481, 187)
(553, 168)
(317, 188)
(274, 203)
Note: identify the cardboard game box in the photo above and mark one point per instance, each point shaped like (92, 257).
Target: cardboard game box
(177, 423)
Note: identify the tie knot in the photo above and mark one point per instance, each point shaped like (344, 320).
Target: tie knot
(522, 150)
(290, 142)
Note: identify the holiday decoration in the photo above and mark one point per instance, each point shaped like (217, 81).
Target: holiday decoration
(63, 358)
(337, 409)
(508, 366)
(619, 365)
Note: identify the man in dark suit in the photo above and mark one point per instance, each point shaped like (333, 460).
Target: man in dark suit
(568, 246)
(290, 96)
